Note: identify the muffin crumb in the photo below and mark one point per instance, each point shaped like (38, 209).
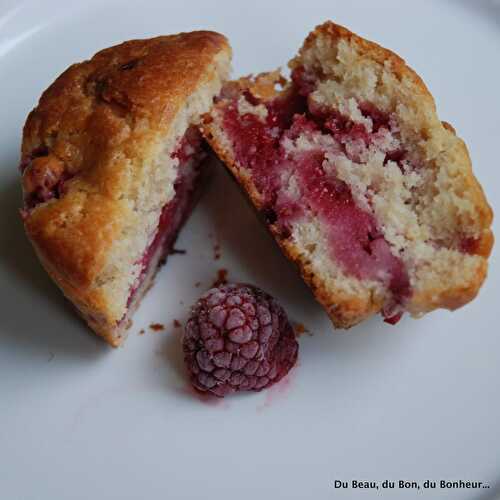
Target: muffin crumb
(157, 327)
(221, 278)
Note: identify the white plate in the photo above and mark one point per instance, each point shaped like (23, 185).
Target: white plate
(418, 401)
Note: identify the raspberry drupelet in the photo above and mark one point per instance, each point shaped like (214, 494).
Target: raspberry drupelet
(237, 338)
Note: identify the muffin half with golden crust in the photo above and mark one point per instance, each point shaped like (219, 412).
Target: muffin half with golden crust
(111, 164)
(362, 185)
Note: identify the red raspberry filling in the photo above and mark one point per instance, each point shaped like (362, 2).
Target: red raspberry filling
(469, 245)
(190, 154)
(44, 177)
(189, 146)
(237, 338)
(355, 239)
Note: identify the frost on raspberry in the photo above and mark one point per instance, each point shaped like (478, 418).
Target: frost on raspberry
(238, 338)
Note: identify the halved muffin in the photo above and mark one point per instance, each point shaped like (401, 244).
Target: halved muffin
(363, 187)
(112, 161)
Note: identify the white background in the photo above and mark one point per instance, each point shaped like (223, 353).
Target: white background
(79, 420)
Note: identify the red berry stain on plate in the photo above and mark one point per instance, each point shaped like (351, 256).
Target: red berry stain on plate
(279, 391)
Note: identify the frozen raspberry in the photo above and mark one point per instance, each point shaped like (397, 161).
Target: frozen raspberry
(238, 338)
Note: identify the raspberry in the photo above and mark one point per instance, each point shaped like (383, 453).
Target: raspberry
(238, 338)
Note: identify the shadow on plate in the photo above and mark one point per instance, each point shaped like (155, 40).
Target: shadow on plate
(488, 9)
(171, 351)
(491, 493)
(35, 316)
